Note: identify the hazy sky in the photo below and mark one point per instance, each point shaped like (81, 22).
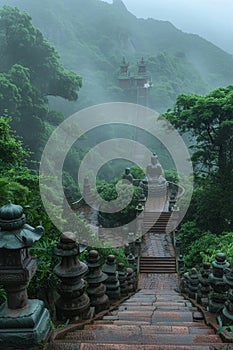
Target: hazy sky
(211, 19)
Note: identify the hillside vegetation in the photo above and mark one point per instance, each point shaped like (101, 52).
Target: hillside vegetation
(92, 36)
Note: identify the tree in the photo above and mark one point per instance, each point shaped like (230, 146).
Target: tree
(31, 71)
(12, 153)
(209, 120)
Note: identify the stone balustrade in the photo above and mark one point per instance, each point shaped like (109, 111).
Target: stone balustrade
(212, 288)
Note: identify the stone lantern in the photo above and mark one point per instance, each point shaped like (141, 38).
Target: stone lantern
(23, 322)
(218, 294)
(73, 303)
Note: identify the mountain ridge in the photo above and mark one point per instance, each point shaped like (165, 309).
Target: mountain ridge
(92, 36)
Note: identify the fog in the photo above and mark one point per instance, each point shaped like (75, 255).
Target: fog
(211, 19)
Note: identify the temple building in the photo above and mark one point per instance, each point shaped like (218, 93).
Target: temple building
(135, 86)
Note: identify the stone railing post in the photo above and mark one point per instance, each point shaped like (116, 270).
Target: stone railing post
(131, 279)
(23, 322)
(123, 279)
(218, 294)
(184, 283)
(73, 304)
(204, 285)
(227, 312)
(180, 265)
(131, 242)
(193, 284)
(139, 219)
(95, 278)
(112, 283)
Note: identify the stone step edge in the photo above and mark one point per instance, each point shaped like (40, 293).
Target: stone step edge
(210, 320)
(81, 342)
(60, 332)
(119, 346)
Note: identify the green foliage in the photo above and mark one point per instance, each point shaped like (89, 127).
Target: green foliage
(211, 206)
(171, 175)
(43, 251)
(12, 159)
(209, 120)
(202, 246)
(137, 172)
(99, 34)
(109, 193)
(31, 71)
(2, 295)
(118, 253)
(173, 75)
(225, 328)
(12, 152)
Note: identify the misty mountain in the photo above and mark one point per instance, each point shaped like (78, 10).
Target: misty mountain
(92, 36)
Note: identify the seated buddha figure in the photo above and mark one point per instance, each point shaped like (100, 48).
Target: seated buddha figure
(154, 172)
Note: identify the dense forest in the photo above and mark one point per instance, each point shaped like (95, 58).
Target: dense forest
(72, 61)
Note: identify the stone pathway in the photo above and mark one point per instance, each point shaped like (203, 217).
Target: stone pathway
(158, 281)
(158, 245)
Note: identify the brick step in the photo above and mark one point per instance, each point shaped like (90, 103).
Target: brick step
(192, 324)
(158, 271)
(157, 229)
(150, 329)
(156, 222)
(158, 304)
(129, 334)
(146, 321)
(151, 214)
(158, 258)
(157, 265)
(99, 346)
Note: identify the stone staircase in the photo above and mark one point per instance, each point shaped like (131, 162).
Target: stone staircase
(150, 319)
(155, 318)
(156, 222)
(157, 264)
